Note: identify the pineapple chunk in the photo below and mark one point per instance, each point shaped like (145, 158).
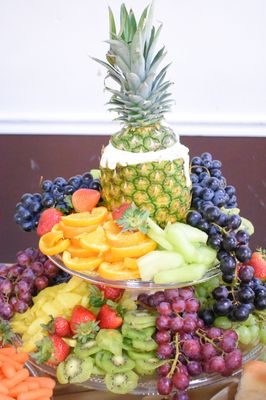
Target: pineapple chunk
(35, 326)
(69, 300)
(73, 283)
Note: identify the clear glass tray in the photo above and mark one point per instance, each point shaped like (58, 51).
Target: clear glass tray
(96, 279)
(148, 385)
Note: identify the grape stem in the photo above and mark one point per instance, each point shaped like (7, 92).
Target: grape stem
(176, 361)
(202, 166)
(202, 335)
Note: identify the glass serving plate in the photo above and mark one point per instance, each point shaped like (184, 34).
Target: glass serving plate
(94, 278)
(148, 385)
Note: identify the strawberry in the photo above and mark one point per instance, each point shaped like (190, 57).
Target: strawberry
(48, 219)
(51, 349)
(85, 199)
(80, 315)
(111, 293)
(258, 262)
(118, 212)
(59, 326)
(109, 318)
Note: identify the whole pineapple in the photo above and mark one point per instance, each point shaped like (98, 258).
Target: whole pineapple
(144, 163)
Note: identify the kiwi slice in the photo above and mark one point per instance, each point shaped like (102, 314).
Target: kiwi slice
(127, 344)
(114, 364)
(135, 355)
(139, 319)
(131, 333)
(147, 367)
(97, 370)
(121, 383)
(74, 370)
(110, 340)
(144, 345)
(84, 350)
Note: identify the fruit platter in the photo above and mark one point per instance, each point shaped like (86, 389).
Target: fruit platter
(144, 281)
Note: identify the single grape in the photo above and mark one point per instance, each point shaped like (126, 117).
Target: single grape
(207, 351)
(192, 305)
(189, 325)
(178, 305)
(21, 306)
(221, 254)
(164, 351)
(231, 333)
(228, 278)
(46, 185)
(22, 286)
(164, 385)
(228, 264)
(233, 360)
(245, 295)
(158, 298)
(212, 213)
(234, 221)
(171, 294)
(180, 395)
(215, 241)
(241, 312)
(50, 269)
(48, 200)
(59, 181)
(23, 258)
(194, 368)
(196, 192)
(176, 324)
(180, 381)
(222, 307)
(246, 274)
(220, 292)
(28, 275)
(203, 226)
(26, 297)
(260, 303)
(217, 364)
(186, 293)
(163, 337)
(242, 237)
(191, 348)
(15, 271)
(162, 322)
(230, 242)
(228, 344)
(207, 316)
(37, 268)
(143, 298)
(6, 287)
(214, 333)
(164, 308)
(230, 190)
(6, 311)
(41, 282)
(243, 253)
(223, 323)
(196, 160)
(151, 302)
(69, 189)
(164, 369)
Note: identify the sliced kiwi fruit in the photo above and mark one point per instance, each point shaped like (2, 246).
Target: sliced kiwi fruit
(127, 344)
(110, 340)
(147, 367)
(114, 364)
(135, 355)
(74, 370)
(97, 370)
(87, 349)
(121, 383)
(132, 333)
(144, 345)
(139, 319)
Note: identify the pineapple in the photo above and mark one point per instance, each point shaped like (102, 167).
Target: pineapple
(144, 163)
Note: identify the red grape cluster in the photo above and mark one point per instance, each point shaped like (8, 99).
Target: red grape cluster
(19, 282)
(186, 344)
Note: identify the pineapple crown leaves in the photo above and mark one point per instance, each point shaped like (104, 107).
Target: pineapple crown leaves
(132, 62)
(6, 335)
(134, 219)
(45, 349)
(86, 331)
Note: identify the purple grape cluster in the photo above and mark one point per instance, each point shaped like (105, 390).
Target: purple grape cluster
(32, 272)
(186, 344)
(54, 193)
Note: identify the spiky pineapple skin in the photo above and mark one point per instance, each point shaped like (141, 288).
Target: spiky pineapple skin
(159, 187)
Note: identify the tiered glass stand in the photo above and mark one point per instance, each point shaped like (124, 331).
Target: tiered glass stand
(147, 385)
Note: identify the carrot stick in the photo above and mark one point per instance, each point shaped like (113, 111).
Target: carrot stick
(8, 351)
(21, 357)
(6, 359)
(17, 378)
(5, 397)
(20, 388)
(43, 381)
(33, 385)
(35, 394)
(3, 389)
(8, 370)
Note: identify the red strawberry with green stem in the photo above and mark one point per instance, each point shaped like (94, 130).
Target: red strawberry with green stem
(59, 326)
(258, 262)
(51, 349)
(48, 219)
(80, 315)
(109, 318)
(111, 293)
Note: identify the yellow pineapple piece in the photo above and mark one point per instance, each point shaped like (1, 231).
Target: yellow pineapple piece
(72, 284)
(36, 327)
(68, 300)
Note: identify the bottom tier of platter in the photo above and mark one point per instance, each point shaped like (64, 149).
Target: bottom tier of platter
(148, 385)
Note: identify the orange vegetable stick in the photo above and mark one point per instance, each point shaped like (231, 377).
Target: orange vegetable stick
(43, 381)
(35, 394)
(20, 388)
(8, 370)
(8, 351)
(33, 385)
(3, 389)
(5, 397)
(6, 359)
(21, 357)
(20, 376)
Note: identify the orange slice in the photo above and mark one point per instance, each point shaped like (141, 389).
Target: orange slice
(56, 228)
(86, 218)
(72, 231)
(95, 241)
(53, 243)
(116, 271)
(119, 253)
(111, 226)
(76, 251)
(81, 264)
(131, 263)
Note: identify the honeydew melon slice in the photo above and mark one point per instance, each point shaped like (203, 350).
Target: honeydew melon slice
(156, 261)
(187, 273)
